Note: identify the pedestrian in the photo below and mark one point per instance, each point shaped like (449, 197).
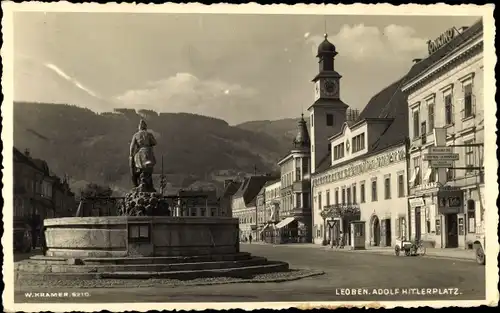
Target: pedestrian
(250, 238)
(340, 241)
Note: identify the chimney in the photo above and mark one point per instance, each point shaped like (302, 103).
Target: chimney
(462, 29)
(415, 61)
(27, 152)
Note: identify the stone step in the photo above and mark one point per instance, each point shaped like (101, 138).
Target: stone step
(65, 268)
(141, 260)
(241, 272)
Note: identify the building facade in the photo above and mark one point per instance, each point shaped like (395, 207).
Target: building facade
(244, 204)
(294, 221)
(37, 195)
(445, 91)
(358, 160)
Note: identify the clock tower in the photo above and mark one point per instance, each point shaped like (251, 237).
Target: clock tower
(328, 112)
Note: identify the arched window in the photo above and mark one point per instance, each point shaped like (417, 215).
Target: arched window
(471, 216)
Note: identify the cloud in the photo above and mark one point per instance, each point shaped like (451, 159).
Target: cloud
(368, 43)
(61, 73)
(185, 92)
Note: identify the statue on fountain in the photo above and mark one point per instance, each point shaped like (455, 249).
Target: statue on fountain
(143, 200)
(142, 159)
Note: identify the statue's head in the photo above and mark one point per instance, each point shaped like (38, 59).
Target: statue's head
(143, 125)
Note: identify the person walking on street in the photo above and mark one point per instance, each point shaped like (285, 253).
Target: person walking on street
(340, 242)
(250, 238)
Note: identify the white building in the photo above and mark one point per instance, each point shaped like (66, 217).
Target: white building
(358, 162)
(365, 176)
(445, 90)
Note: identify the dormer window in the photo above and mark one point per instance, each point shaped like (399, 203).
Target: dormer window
(358, 143)
(338, 151)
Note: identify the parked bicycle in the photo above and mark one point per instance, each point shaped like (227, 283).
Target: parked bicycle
(410, 248)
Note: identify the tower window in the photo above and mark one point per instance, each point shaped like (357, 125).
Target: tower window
(329, 120)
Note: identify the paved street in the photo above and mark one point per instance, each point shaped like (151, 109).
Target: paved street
(343, 270)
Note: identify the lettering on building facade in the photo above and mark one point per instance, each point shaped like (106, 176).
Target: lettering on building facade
(360, 168)
(444, 38)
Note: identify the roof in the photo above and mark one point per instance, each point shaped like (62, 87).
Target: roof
(302, 140)
(274, 181)
(439, 54)
(251, 186)
(39, 164)
(231, 189)
(390, 104)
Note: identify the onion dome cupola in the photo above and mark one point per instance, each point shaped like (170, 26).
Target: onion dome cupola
(326, 47)
(302, 140)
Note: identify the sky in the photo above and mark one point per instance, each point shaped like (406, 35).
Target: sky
(234, 67)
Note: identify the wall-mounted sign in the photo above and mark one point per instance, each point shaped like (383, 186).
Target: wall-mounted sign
(450, 201)
(356, 168)
(416, 202)
(444, 38)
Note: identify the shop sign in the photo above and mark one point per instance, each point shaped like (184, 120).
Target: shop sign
(443, 39)
(450, 201)
(416, 202)
(362, 167)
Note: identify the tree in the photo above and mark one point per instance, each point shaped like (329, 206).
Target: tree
(93, 190)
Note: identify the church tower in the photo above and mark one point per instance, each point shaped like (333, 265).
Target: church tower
(328, 112)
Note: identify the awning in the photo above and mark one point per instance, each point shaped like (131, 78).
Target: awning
(285, 222)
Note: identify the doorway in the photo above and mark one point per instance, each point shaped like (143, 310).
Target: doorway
(418, 225)
(388, 232)
(376, 231)
(451, 231)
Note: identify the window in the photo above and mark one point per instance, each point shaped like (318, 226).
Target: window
(402, 227)
(450, 174)
(138, 233)
(417, 172)
(358, 143)
(438, 226)
(468, 101)
(469, 155)
(329, 120)
(374, 190)
(319, 201)
(298, 199)
(387, 188)
(305, 166)
(460, 225)
(448, 109)
(354, 200)
(337, 196)
(348, 195)
(401, 186)
(193, 211)
(362, 193)
(471, 216)
(430, 109)
(338, 151)
(328, 197)
(423, 131)
(312, 120)
(203, 212)
(343, 195)
(213, 211)
(416, 124)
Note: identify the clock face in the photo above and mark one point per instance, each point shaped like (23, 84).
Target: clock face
(331, 87)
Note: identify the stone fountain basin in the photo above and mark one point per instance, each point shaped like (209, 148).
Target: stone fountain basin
(140, 236)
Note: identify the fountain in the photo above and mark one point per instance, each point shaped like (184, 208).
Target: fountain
(146, 238)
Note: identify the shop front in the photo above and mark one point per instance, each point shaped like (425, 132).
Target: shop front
(437, 217)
